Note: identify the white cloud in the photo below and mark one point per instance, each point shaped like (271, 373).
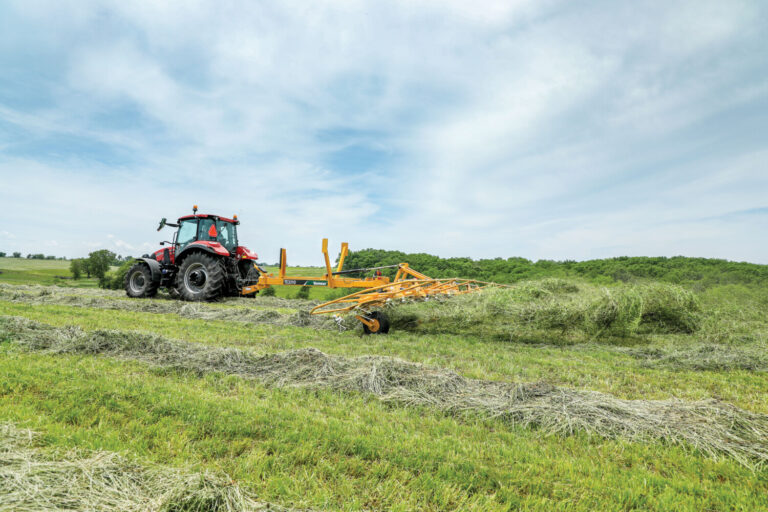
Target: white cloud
(124, 245)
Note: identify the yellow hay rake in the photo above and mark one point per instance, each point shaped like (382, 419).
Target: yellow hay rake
(369, 303)
(331, 279)
(377, 292)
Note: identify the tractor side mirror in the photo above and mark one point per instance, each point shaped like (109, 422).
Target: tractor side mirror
(162, 224)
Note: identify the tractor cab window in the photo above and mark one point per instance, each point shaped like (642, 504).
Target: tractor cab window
(222, 232)
(208, 231)
(187, 232)
(226, 234)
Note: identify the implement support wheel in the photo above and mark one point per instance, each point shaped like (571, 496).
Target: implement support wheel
(380, 323)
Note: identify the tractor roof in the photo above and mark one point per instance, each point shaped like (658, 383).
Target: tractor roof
(206, 216)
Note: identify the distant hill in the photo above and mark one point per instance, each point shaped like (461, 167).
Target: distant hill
(678, 269)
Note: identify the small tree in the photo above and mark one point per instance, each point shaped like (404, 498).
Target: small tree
(99, 262)
(17, 255)
(76, 267)
(2, 255)
(268, 292)
(85, 266)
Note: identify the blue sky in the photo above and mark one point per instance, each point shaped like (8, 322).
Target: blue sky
(544, 129)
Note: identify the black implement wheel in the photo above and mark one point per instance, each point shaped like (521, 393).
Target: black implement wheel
(201, 277)
(138, 282)
(380, 323)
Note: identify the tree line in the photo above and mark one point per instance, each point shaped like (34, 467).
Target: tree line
(31, 256)
(677, 269)
(115, 259)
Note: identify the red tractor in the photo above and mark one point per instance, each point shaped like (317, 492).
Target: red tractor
(204, 261)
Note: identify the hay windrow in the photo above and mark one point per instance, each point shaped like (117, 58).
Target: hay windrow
(713, 427)
(35, 479)
(538, 310)
(254, 311)
(704, 357)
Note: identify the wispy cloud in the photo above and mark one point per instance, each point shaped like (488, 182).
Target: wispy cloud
(540, 129)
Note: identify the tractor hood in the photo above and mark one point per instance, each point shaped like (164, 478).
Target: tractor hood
(245, 253)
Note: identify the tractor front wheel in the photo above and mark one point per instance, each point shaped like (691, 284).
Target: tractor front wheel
(201, 277)
(138, 282)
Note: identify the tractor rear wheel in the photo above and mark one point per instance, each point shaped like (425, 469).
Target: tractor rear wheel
(380, 323)
(138, 282)
(201, 277)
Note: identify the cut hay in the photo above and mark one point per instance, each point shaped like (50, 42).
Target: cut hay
(713, 427)
(705, 357)
(35, 479)
(535, 310)
(268, 310)
(669, 308)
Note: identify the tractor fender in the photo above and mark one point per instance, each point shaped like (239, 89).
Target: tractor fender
(154, 268)
(210, 247)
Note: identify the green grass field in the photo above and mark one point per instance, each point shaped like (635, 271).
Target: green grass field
(335, 449)
(51, 272)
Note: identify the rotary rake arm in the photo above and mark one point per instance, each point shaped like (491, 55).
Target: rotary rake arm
(409, 285)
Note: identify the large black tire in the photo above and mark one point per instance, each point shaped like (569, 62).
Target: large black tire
(383, 323)
(201, 277)
(138, 282)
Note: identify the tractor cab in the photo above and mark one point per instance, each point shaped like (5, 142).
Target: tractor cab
(206, 228)
(212, 232)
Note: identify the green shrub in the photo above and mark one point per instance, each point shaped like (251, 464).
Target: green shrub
(339, 293)
(558, 286)
(268, 292)
(115, 280)
(303, 292)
